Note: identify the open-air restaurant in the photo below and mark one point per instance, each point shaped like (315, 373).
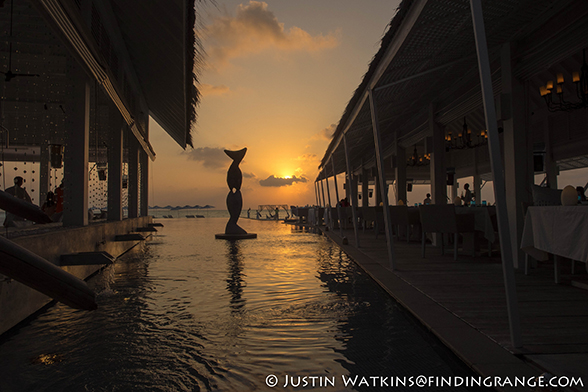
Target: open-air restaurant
(495, 96)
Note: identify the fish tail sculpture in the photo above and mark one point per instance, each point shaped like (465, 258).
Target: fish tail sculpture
(234, 198)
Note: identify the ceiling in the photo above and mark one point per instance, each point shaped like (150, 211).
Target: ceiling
(427, 64)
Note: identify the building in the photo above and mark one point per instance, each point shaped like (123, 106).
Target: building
(81, 79)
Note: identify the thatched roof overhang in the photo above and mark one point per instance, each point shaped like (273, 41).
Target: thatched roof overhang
(160, 46)
(161, 41)
(428, 56)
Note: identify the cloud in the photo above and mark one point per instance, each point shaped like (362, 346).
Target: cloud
(249, 175)
(210, 158)
(307, 157)
(209, 90)
(326, 133)
(274, 181)
(255, 28)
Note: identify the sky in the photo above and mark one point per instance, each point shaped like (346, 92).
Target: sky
(277, 78)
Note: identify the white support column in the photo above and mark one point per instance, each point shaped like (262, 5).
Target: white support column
(45, 173)
(400, 172)
(115, 164)
(133, 184)
(518, 152)
(335, 182)
(76, 154)
(352, 191)
(144, 202)
(323, 194)
(328, 191)
(379, 187)
(550, 165)
(355, 192)
(337, 198)
(382, 180)
(453, 190)
(316, 198)
(477, 182)
(365, 188)
(497, 173)
(437, 167)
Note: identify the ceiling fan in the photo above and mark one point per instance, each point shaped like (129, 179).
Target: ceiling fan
(9, 75)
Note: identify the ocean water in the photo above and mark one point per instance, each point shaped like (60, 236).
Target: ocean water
(187, 312)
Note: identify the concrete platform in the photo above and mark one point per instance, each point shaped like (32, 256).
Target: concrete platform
(18, 302)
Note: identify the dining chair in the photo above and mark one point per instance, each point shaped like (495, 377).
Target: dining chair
(402, 216)
(441, 218)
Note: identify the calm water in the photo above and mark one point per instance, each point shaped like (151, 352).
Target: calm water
(191, 313)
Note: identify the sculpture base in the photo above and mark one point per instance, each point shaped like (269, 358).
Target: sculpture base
(244, 236)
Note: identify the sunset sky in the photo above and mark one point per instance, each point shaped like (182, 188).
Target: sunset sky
(278, 76)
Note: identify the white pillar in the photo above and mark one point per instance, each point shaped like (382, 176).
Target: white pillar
(352, 191)
(365, 186)
(550, 165)
(477, 182)
(497, 172)
(400, 172)
(382, 180)
(323, 194)
(437, 167)
(116, 127)
(518, 152)
(133, 183)
(45, 173)
(144, 190)
(328, 191)
(316, 198)
(76, 154)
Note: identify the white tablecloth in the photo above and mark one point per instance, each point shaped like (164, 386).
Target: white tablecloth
(483, 221)
(559, 230)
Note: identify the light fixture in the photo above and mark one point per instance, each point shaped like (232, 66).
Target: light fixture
(418, 160)
(465, 139)
(580, 79)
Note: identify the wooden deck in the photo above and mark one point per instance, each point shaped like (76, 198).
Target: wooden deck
(554, 317)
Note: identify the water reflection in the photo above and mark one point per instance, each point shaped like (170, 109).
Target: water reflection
(174, 319)
(235, 281)
(379, 337)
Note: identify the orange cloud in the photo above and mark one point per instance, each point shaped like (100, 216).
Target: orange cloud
(326, 133)
(210, 90)
(255, 28)
(307, 157)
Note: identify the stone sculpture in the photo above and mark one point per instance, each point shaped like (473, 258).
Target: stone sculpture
(234, 198)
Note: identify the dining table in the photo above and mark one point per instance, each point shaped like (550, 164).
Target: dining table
(558, 230)
(482, 219)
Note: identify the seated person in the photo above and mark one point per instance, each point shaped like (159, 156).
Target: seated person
(21, 193)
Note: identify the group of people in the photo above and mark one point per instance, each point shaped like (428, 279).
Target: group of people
(53, 206)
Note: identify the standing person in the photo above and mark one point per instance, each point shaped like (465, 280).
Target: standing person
(467, 197)
(19, 192)
(428, 200)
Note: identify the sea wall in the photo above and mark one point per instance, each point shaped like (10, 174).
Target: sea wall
(17, 301)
